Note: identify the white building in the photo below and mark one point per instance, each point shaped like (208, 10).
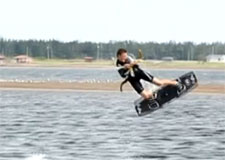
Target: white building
(167, 58)
(215, 58)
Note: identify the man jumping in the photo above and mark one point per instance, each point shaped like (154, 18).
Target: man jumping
(129, 69)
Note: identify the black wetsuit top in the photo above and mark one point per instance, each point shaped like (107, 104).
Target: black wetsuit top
(135, 78)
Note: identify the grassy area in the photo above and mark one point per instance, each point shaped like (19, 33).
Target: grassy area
(184, 64)
(72, 62)
(109, 63)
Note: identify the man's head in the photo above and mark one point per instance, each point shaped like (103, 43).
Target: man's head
(122, 54)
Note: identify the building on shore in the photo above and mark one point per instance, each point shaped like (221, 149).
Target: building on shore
(167, 59)
(23, 59)
(2, 59)
(215, 58)
(88, 59)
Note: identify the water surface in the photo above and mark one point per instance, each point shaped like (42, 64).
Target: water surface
(98, 74)
(104, 125)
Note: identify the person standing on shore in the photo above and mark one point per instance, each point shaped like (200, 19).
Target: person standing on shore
(128, 68)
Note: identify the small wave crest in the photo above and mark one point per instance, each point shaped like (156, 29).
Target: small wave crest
(37, 157)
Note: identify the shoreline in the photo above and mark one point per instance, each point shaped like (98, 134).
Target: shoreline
(84, 86)
(93, 91)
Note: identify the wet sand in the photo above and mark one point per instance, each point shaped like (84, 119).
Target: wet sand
(96, 86)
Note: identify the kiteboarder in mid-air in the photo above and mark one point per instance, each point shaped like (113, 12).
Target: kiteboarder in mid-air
(128, 68)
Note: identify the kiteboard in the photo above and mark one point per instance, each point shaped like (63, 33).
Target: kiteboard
(166, 94)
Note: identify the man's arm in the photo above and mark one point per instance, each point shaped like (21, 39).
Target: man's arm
(130, 65)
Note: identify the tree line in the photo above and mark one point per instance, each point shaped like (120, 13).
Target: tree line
(75, 49)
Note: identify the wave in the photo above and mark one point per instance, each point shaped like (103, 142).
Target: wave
(37, 157)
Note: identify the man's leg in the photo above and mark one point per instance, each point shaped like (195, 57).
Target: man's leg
(164, 82)
(136, 84)
(146, 94)
(159, 82)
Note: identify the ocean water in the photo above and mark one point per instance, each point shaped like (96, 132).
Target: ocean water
(76, 125)
(104, 74)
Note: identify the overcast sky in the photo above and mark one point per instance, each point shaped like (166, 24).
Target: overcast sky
(105, 20)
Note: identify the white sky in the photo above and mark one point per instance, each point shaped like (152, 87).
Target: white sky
(105, 20)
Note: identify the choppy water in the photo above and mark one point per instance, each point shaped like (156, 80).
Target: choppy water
(103, 74)
(104, 125)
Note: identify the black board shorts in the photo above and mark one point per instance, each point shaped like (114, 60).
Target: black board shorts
(135, 81)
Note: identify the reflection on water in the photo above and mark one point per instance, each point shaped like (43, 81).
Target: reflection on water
(104, 125)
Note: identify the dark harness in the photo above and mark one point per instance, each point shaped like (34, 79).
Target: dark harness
(125, 73)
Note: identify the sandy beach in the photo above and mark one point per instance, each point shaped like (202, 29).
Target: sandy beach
(103, 86)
